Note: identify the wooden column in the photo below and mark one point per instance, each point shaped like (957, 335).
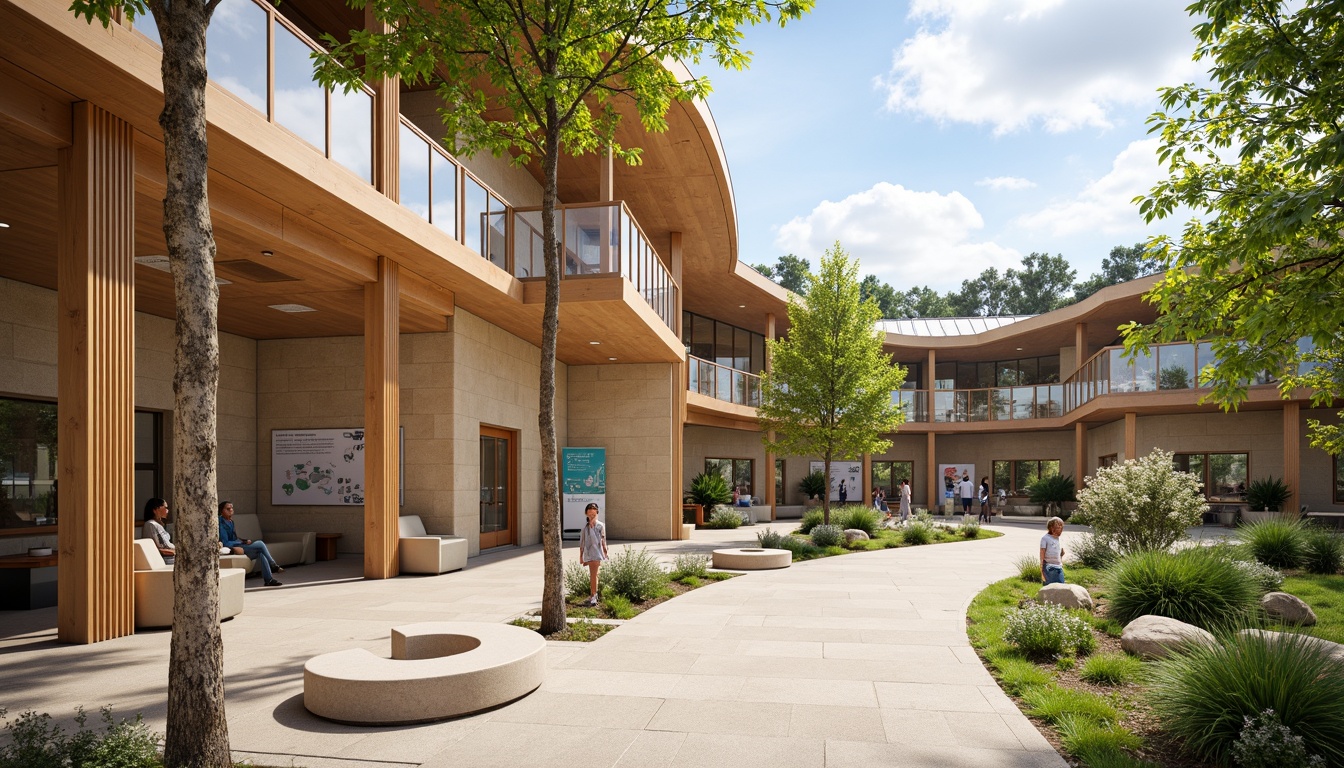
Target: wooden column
(1079, 454)
(382, 403)
(931, 473)
(1292, 455)
(95, 295)
(770, 435)
(1131, 435)
(929, 377)
(1079, 345)
(680, 384)
(386, 124)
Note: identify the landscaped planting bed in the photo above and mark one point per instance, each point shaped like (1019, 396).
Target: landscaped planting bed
(814, 539)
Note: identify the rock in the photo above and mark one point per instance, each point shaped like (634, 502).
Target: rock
(1154, 637)
(1066, 596)
(1288, 609)
(1335, 650)
(854, 534)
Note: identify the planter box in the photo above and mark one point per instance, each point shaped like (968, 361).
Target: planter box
(1255, 516)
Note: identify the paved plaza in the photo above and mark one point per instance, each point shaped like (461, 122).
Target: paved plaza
(859, 660)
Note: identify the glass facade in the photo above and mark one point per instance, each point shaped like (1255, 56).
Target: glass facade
(1016, 475)
(723, 344)
(1223, 475)
(888, 475)
(737, 472)
(997, 373)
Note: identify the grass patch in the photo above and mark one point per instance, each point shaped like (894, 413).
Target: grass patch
(620, 608)
(1053, 703)
(1111, 669)
(1084, 736)
(1325, 594)
(580, 631)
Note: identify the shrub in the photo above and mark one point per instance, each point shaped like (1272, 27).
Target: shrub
(724, 517)
(813, 485)
(917, 533)
(1029, 568)
(1195, 586)
(1269, 493)
(689, 565)
(827, 535)
(35, 742)
(1050, 702)
(811, 519)
(1051, 492)
(1266, 743)
(1142, 504)
(1322, 551)
(1277, 541)
(709, 489)
(1268, 579)
(800, 548)
(619, 606)
(969, 529)
(1086, 738)
(1111, 669)
(1204, 694)
(865, 519)
(1045, 629)
(634, 575)
(577, 583)
(1093, 551)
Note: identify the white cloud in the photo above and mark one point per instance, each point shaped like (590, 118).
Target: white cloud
(905, 237)
(1006, 183)
(1106, 204)
(1062, 64)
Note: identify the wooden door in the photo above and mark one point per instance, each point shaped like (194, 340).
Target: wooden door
(498, 488)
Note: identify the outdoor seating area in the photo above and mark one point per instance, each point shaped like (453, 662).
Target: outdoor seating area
(422, 552)
(154, 588)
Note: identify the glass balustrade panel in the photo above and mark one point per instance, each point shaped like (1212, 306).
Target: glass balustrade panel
(979, 405)
(1175, 366)
(723, 381)
(475, 205)
(1122, 373)
(235, 50)
(944, 406)
(443, 199)
(497, 234)
(1024, 402)
(413, 175)
(1000, 403)
(1145, 371)
(352, 132)
(300, 103)
(739, 388)
(528, 247)
(586, 231)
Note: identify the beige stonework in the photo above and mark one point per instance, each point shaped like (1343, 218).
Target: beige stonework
(700, 443)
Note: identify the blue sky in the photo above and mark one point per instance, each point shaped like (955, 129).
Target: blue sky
(935, 138)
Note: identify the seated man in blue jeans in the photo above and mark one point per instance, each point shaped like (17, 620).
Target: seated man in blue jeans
(255, 550)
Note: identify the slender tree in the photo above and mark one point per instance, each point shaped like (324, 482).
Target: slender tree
(540, 78)
(828, 390)
(1256, 154)
(197, 733)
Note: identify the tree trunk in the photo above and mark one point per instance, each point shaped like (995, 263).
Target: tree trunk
(552, 591)
(197, 731)
(826, 494)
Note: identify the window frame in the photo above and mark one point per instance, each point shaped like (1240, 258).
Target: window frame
(733, 464)
(1240, 496)
(891, 473)
(1337, 493)
(1012, 474)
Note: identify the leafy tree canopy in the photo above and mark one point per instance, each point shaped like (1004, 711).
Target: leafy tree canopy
(789, 271)
(828, 392)
(1258, 154)
(1124, 264)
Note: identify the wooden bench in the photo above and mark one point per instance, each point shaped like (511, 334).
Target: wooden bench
(27, 582)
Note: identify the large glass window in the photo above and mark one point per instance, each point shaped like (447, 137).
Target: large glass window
(1224, 475)
(27, 463)
(1014, 476)
(722, 343)
(888, 475)
(737, 472)
(1000, 373)
(1339, 481)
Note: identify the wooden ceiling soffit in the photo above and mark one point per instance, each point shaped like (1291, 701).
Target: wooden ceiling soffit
(705, 411)
(428, 296)
(28, 109)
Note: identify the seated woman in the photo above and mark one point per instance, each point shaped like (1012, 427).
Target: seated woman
(156, 515)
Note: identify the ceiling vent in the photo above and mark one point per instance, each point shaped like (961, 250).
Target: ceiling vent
(244, 269)
(161, 264)
(292, 308)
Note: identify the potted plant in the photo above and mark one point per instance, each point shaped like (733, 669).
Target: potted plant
(813, 486)
(1266, 496)
(707, 490)
(1051, 492)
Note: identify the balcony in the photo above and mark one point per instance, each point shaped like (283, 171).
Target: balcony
(720, 382)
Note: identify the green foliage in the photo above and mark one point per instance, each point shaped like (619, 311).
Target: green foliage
(1016, 675)
(1266, 743)
(1142, 504)
(634, 575)
(1084, 737)
(828, 392)
(1277, 541)
(1194, 585)
(813, 484)
(34, 741)
(801, 548)
(619, 606)
(1054, 703)
(789, 271)
(1045, 629)
(1051, 491)
(811, 519)
(1111, 669)
(1268, 493)
(690, 565)
(917, 533)
(1093, 551)
(724, 517)
(1266, 577)
(1029, 568)
(857, 516)
(1325, 595)
(1254, 156)
(1204, 694)
(709, 489)
(1124, 264)
(1322, 551)
(969, 530)
(577, 579)
(827, 535)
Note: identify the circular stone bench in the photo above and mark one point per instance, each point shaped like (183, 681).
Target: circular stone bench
(752, 559)
(438, 670)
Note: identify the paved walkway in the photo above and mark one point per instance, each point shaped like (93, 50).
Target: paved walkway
(859, 660)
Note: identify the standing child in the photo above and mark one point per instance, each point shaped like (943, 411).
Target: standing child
(1052, 554)
(592, 548)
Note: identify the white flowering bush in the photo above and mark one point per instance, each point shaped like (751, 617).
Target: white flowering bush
(1267, 743)
(1045, 629)
(1143, 504)
(1268, 578)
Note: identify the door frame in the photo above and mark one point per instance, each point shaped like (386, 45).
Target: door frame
(511, 436)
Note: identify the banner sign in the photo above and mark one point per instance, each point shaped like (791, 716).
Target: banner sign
(583, 480)
(319, 467)
(848, 473)
(951, 476)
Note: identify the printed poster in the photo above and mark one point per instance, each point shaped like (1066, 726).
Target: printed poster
(583, 480)
(848, 472)
(951, 476)
(319, 467)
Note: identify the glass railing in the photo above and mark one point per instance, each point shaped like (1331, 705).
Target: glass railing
(722, 382)
(257, 55)
(432, 184)
(597, 238)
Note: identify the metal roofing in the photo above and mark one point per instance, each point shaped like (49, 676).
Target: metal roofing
(947, 326)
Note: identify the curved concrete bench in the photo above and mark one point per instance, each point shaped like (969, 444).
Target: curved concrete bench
(752, 559)
(438, 670)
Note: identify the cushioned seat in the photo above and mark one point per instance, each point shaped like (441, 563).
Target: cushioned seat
(286, 548)
(154, 588)
(422, 552)
(225, 561)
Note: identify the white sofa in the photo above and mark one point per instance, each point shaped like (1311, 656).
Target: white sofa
(154, 588)
(225, 561)
(422, 552)
(286, 548)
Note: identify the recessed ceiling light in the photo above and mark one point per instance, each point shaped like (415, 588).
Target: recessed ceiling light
(292, 308)
(611, 358)
(1019, 349)
(3, 225)
(268, 253)
(594, 343)
(741, 306)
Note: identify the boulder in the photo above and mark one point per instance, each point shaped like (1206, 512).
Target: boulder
(1154, 637)
(854, 534)
(1066, 596)
(1288, 609)
(1335, 650)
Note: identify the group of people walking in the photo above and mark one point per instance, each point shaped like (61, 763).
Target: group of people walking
(968, 493)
